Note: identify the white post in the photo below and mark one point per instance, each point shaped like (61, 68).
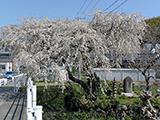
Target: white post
(29, 100)
(38, 113)
(34, 96)
(7, 67)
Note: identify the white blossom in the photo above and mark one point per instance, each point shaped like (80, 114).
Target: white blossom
(40, 44)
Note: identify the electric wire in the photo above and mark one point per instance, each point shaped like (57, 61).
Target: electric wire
(89, 3)
(94, 6)
(121, 4)
(84, 3)
(111, 5)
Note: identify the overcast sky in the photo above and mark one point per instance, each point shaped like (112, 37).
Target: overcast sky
(13, 11)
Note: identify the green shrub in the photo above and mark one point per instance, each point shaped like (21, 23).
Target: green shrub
(51, 98)
(155, 101)
(128, 101)
(74, 104)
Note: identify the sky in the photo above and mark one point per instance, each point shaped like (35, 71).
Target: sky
(13, 11)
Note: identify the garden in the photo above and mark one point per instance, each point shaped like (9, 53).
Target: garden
(74, 104)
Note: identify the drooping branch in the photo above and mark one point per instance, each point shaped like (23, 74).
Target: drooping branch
(75, 40)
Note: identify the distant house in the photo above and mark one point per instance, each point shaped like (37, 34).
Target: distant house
(5, 61)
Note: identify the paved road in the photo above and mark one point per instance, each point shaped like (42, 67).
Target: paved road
(12, 103)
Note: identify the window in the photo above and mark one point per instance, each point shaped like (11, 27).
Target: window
(3, 67)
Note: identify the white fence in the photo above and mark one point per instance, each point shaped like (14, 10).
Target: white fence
(19, 81)
(120, 74)
(3, 81)
(34, 112)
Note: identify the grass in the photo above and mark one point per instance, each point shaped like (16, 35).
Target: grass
(128, 101)
(53, 101)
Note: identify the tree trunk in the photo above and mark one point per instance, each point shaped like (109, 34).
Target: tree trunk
(86, 87)
(80, 82)
(147, 82)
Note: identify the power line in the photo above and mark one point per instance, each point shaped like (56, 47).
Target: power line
(90, 2)
(122, 3)
(84, 3)
(111, 5)
(94, 6)
(84, 11)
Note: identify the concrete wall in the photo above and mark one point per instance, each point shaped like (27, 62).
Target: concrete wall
(120, 74)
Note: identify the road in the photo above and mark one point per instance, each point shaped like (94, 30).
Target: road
(12, 106)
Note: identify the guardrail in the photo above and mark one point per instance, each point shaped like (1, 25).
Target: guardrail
(34, 112)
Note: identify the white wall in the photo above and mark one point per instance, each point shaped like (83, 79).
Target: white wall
(120, 74)
(8, 66)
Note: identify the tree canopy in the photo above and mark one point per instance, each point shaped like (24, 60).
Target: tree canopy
(153, 34)
(153, 22)
(41, 44)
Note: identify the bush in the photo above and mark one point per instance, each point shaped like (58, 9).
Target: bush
(74, 104)
(51, 98)
(71, 101)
